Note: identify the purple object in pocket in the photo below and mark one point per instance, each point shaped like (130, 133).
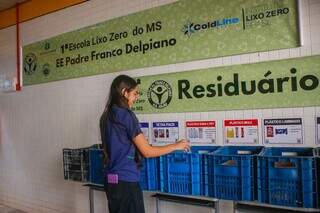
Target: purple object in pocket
(112, 178)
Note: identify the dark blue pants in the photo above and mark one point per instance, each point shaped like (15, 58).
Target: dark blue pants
(125, 197)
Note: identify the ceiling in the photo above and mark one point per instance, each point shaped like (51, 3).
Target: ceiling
(5, 4)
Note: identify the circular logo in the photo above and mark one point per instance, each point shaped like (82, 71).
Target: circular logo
(159, 94)
(30, 64)
(46, 69)
(47, 46)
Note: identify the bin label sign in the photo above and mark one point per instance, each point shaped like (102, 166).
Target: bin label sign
(198, 132)
(283, 131)
(165, 132)
(241, 131)
(144, 126)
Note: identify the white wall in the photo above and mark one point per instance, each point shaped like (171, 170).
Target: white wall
(36, 123)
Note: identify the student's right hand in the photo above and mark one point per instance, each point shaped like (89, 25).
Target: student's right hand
(182, 144)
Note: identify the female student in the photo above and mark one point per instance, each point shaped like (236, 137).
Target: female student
(124, 145)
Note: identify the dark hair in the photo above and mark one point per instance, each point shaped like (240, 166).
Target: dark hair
(116, 98)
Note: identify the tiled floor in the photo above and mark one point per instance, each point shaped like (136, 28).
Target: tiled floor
(6, 209)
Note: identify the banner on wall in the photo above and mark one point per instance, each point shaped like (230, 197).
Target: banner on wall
(182, 31)
(241, 131)
(199, 132)
(283, 131)
(274, 84)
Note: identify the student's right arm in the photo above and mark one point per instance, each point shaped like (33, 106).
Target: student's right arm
(155, 151)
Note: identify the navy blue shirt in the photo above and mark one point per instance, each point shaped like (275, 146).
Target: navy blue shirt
(121, 150)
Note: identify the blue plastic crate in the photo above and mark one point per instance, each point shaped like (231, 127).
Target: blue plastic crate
(180, 173)
(96, 166)
(183, 173)
(150, 180)
(209, 175)
(203, 152)
(317, 155)
(144, 176)
(287, 176)
(206, 169)
(234, 173)
(76, 163)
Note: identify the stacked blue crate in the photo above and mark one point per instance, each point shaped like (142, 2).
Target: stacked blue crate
(205, 168)
(96, 165)
(287, 177)
(209, 175)
(76, 163)
(150, 179)
(181, 172)
(144, 176)
(234, 173)
(317, 155)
